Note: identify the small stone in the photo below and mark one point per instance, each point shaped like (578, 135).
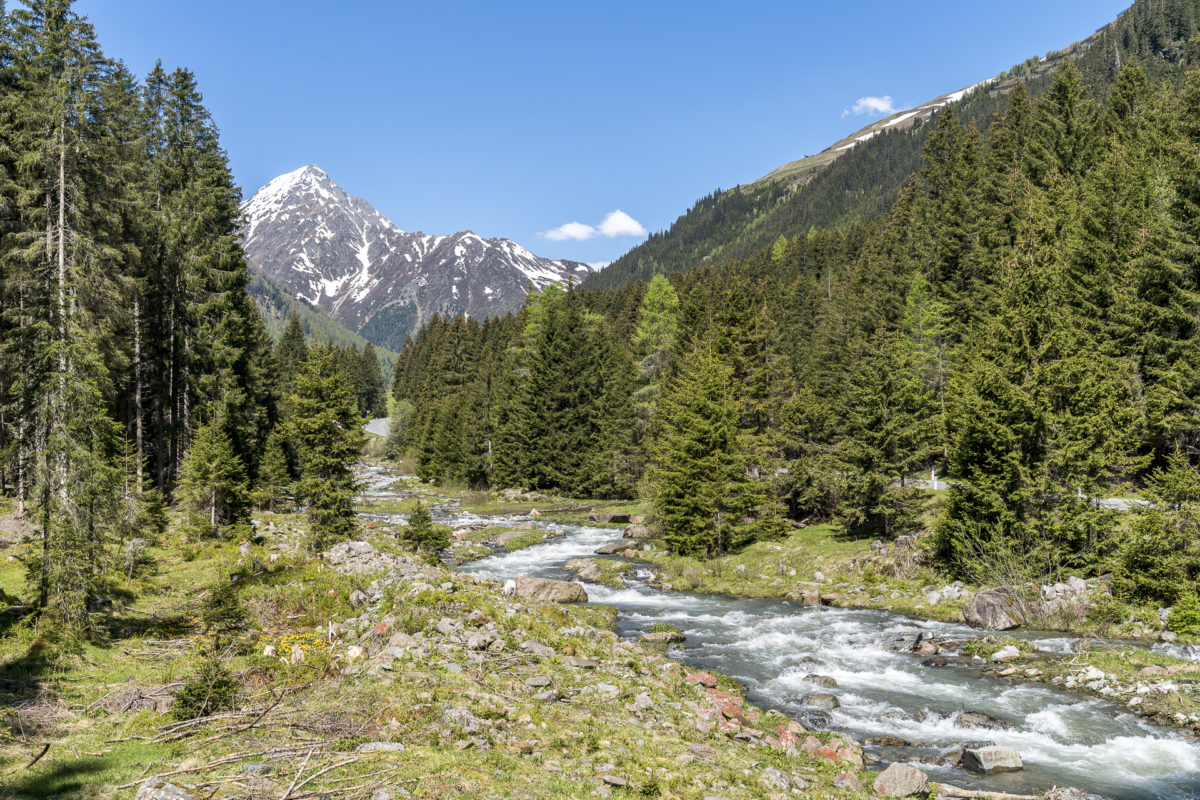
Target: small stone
(773, 778)
(357, 599)
(297, 655)
(463, 744)
(158, 789)
(354, 652)
(848, 781)
(703, 678)
(269, 651)
(977, 719)
(614, 780)
(258, 768)
(538, 681)
(401, 640)
(1007, 653)
(824, 681)
(379, 747)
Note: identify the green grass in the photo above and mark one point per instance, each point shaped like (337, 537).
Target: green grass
(765, 569)
(159, 639)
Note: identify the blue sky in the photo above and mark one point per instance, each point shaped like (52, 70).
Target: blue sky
(517, 118)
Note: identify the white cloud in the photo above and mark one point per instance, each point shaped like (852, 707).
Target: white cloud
(872, 105)
(616, 223)
(572, 230)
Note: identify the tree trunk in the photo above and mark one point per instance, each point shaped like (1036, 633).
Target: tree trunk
(137, 388)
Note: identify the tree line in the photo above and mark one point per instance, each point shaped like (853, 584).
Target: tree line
(1023, 321)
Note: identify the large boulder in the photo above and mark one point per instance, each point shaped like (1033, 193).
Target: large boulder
(158, 789)
(821, 700)
(994, 758)
(551, 591)
(994, 610)
(901, 780)
(612, 548)
(599, 516)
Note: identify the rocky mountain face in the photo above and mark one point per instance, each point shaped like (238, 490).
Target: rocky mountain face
(335, 251)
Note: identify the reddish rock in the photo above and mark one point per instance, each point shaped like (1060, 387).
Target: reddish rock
(810, 599)
(703, 678)
(788, 741)
(852, 755)
(828, 753)
(729, 726)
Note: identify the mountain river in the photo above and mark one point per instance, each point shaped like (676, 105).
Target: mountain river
(1065, 739)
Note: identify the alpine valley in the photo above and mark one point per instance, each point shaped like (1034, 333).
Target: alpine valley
(336, 252)
(878, 477)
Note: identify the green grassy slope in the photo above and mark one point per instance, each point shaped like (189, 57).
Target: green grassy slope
(834, 187)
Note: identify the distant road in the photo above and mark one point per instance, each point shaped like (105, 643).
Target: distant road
(379, 427)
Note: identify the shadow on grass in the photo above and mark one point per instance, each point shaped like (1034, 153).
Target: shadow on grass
(62, 778)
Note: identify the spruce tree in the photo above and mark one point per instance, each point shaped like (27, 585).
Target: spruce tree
(213, 491)
(66, 135)
(423, 534)
(326, 429)
(373, 402)
(653, 341)
(274, 475)
(891, 433)
(702, 496)
(291, 351)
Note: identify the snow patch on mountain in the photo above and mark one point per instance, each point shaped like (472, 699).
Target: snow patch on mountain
(337, 252)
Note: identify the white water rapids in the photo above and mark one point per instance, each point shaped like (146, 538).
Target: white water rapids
(1065, 739)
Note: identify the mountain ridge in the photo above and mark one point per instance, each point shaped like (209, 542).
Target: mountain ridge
(830, 189)
(339, 254)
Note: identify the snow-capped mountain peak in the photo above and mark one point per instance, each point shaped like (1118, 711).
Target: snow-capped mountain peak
(337, 252)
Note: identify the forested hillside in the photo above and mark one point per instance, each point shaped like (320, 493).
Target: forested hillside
(277, 307)
(1159, 35)
(1024, 320)
(135, 370)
